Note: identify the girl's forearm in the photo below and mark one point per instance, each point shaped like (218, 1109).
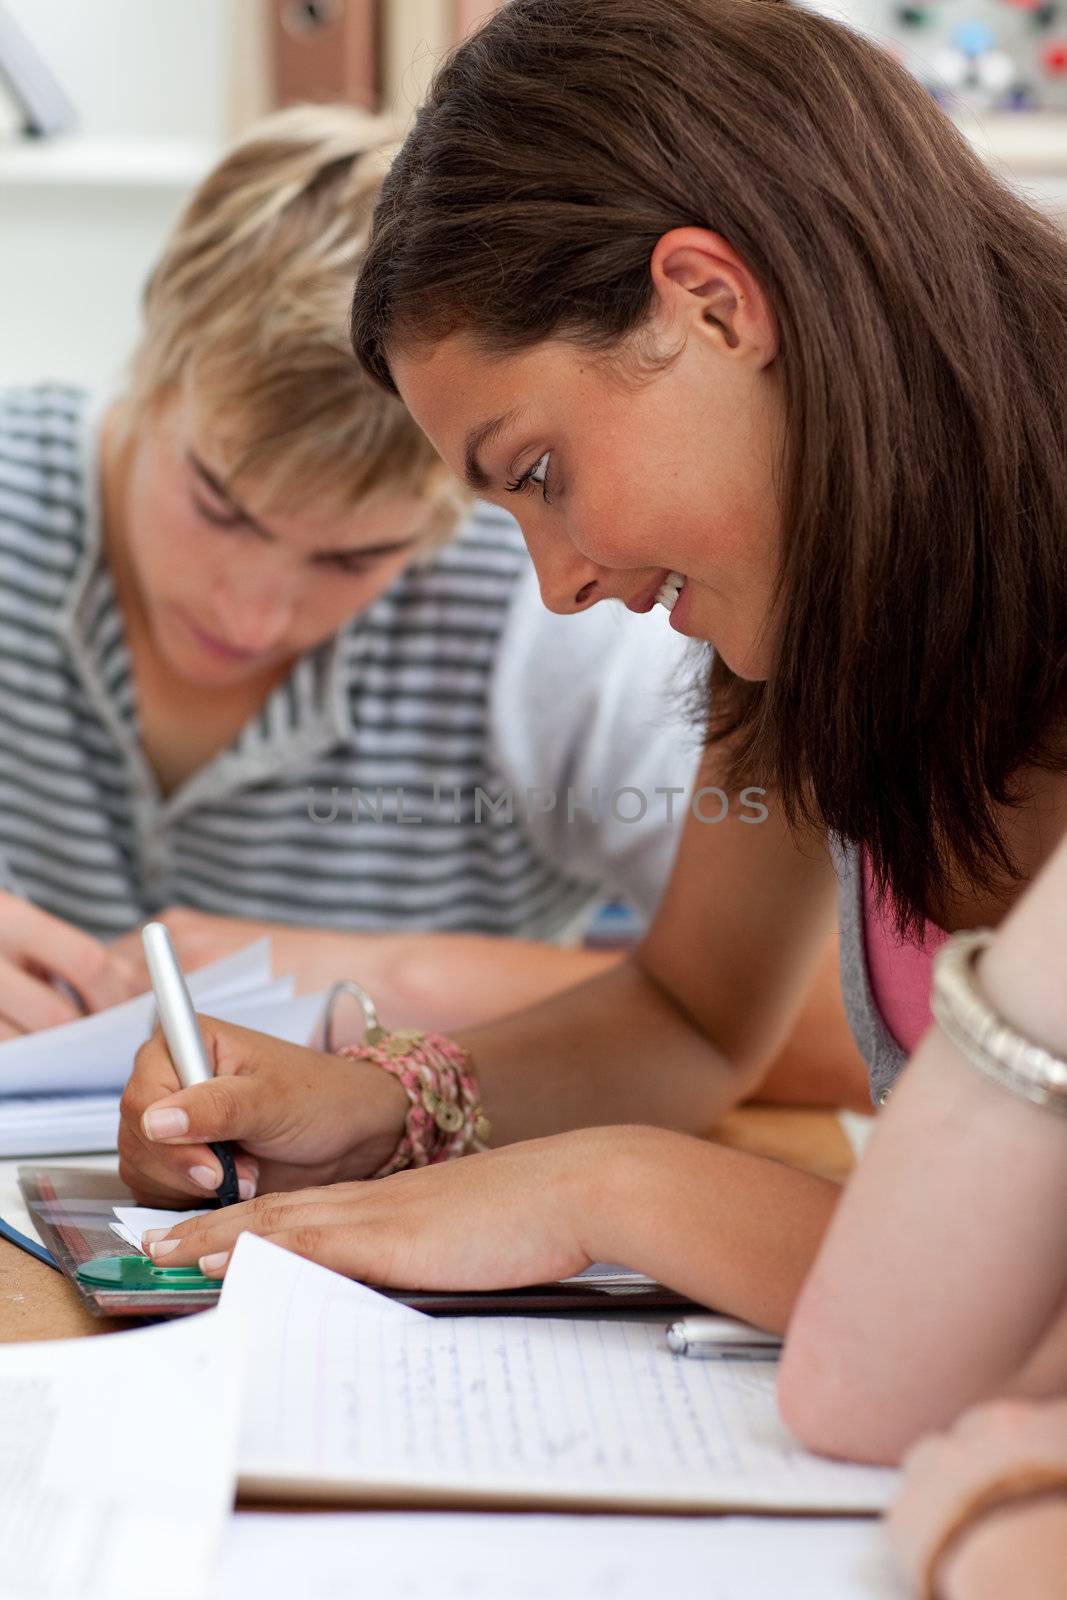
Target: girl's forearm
(616, 1049)
(733, 1231)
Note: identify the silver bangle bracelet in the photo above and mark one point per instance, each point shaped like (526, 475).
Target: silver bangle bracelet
(985, 1039)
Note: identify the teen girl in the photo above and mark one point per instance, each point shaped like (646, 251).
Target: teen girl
(718, 301)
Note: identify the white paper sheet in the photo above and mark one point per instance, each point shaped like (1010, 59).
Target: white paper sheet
(116, 1462)
(131, 1221)
(65, 1112)
(418, 1556)
(346, 1390)
(95, 1053)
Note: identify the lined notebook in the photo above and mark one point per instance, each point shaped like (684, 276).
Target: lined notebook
(350, 1396)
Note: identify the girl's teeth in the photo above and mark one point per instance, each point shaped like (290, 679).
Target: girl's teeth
(669, 590)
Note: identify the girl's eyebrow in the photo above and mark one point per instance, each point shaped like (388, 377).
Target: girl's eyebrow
(485, 433)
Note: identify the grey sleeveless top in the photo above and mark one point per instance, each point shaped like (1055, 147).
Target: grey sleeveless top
(879, 1049)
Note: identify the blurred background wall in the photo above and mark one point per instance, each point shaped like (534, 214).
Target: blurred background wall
(159, 86)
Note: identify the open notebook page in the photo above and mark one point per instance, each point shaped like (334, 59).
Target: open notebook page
(349, 1393)
(117, 1462)
(467, 1556)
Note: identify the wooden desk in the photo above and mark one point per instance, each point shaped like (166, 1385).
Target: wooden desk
(37, 1303)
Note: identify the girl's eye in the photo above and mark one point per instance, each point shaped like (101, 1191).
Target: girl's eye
(538, 474)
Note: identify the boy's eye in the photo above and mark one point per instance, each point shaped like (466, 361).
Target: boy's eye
(218, 514)
(351, 565)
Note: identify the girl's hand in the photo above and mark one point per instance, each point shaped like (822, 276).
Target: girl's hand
(944, 1473)
(497, 1220)
(299, 1117)
(37, 948)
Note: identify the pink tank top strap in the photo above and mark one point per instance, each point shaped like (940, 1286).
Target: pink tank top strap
(899, 972)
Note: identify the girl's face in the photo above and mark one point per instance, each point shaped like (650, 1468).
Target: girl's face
(232, 589)
(620, 477)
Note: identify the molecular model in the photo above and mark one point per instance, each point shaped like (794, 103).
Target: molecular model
(1002, 55)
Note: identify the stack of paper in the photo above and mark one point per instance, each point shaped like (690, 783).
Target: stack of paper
(59, 1089)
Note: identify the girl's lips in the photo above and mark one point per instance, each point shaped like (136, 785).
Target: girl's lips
(646, 599)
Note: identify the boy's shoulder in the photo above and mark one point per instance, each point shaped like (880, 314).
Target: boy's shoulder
(466, 588)
(487, 550)
(44, 487)
(42, 417)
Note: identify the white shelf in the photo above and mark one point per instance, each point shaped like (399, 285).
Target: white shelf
(1032, 143)
(103, 164)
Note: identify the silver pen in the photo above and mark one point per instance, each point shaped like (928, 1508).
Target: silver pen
(185, 1042)
(722, 1339)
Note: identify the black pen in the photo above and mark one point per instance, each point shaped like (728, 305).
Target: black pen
(185, 1042)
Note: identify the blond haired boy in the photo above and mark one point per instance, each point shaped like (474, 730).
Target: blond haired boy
(261, 665)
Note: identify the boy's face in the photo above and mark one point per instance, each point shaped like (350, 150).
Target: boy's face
(233, 590)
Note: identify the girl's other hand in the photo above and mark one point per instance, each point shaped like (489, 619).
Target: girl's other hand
(497, 1220)
(52, 972)
(299, 1117)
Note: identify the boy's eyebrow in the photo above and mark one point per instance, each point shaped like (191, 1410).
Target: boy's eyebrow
(219, 489)
(477, 477)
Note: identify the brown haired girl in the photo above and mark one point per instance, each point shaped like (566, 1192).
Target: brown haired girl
(719, 302)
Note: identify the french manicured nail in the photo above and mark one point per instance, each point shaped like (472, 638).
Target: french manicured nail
(214, 1263)
(205, 1177)
(246, 1188)
(150, 1235)
(166, 1124)
(163, 1248)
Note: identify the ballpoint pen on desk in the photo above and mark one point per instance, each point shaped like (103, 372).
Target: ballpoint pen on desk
(720, 1339)
(185, 1042)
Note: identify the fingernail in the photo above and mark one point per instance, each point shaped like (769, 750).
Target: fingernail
(166, 1124)
(246, 1188)
(214, 1263)
(163, 1248)
(206, 1177)
(150, 1235)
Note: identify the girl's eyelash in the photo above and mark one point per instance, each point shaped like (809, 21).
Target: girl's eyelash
(520, 484)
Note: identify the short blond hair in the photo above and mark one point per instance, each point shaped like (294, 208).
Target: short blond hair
(248, 306)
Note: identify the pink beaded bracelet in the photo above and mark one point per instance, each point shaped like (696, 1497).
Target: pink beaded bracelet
(445, 1118)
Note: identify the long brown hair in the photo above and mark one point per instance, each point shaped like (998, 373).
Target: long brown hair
(921, 657)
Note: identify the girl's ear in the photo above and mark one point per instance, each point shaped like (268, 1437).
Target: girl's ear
(703, 284)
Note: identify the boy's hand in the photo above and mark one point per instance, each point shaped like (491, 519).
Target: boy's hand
(35, 949)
